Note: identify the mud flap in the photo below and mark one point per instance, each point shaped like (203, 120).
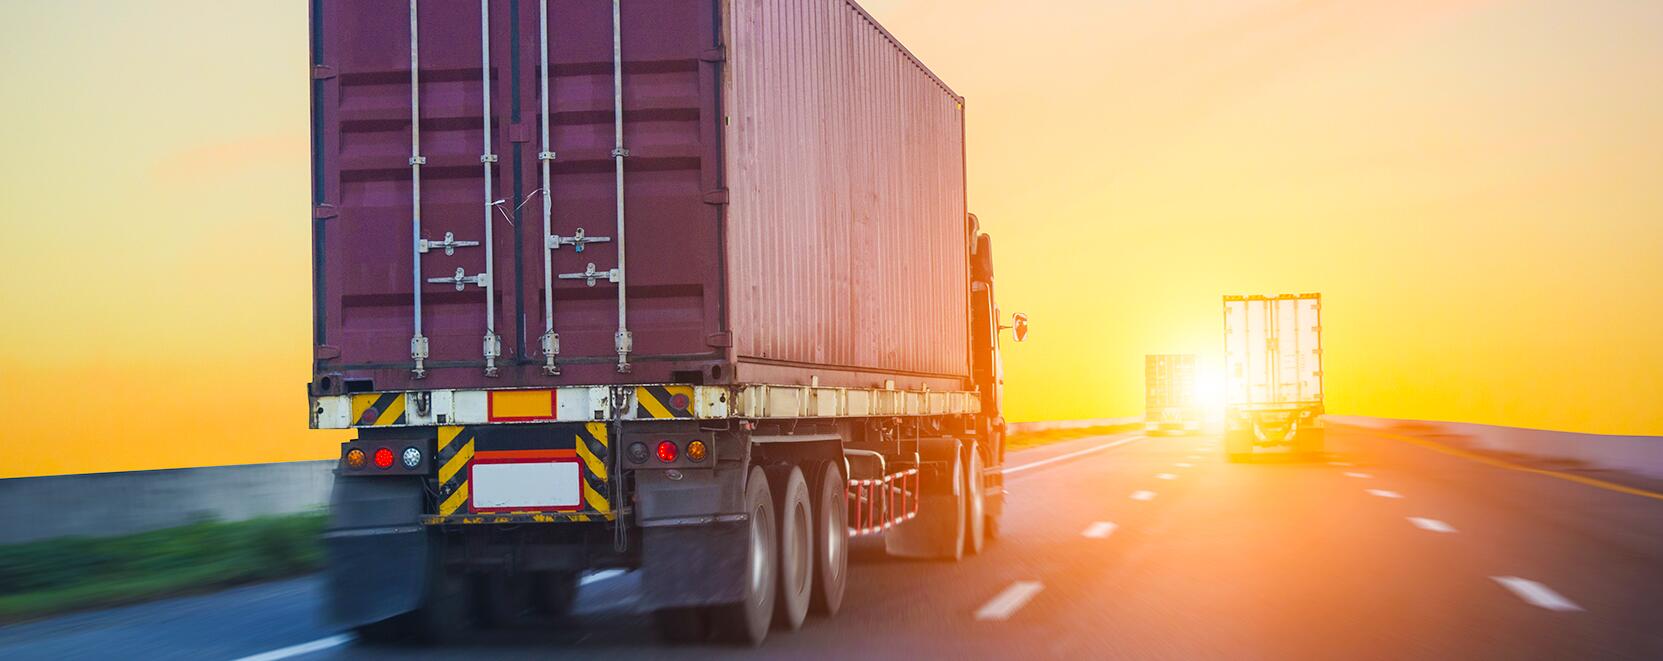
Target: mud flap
(377, 551)
(701, 565)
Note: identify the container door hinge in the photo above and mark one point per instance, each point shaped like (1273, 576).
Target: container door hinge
(418, 353)
(493, 350)
(450, 244)
(722, 339)
(625, 343)
(589, 275)
(718, 196)
(462, 280)
(717, 54)
(324, 212)
(551, 348)
(576, 241)
(322, 72)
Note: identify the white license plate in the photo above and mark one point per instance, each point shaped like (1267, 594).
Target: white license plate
(527, 485)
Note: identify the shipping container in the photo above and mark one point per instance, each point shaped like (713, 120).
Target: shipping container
(780, 198)
(1273, 371)
(1169, 394)
(598, 284)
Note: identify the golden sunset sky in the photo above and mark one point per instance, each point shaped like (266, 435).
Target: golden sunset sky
(1475, 187)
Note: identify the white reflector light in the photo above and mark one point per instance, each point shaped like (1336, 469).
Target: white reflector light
(412, 458)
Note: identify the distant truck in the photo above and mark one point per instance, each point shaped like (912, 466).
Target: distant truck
(1273, 366)
(1169, 394)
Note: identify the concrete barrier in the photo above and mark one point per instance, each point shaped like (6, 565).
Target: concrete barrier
(105, 504)
(1047, 425)
(1640, 455)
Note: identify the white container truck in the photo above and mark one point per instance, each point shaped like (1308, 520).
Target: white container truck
(1273, 367)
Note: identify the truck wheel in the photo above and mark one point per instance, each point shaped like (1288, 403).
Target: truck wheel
(796, 545)
(681, 625)
(938, 531)
(975, 505)
(831, 541)
(747, 621)
(554, 592)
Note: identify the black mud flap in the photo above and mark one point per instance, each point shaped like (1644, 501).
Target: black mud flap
(702, 565)
(376, 548)
(693, 537)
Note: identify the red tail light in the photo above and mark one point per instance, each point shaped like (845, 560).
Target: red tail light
(383, 458)
(667, 451)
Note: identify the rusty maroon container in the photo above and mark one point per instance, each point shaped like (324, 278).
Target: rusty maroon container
(793, 195)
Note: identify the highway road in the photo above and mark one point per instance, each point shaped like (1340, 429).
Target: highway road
(1117, 547)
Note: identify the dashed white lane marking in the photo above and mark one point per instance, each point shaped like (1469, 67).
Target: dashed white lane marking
(303, 648)
(1536, 594)
(1184, 464)
(1342, 464)
(1383, 493)
(1143, 494)
(1433, 525)
(1071, 455)
(1001, 607)
(602, 575)
(1357, 474)
(1165, 476)
(1099, 530)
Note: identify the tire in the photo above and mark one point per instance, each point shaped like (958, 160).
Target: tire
(449, 608)
(682, 625)
(747, 621)
(831, 540)
(975, 502)
(796, 546)
(938, 531)
(554, 593)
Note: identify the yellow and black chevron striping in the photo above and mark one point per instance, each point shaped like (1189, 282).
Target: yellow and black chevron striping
(454, 450)
(378, 409)
(456, 447)
(592, 442)
(663, 402)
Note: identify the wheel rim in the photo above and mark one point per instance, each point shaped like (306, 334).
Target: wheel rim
(836, 524)
(759, 552)
(802, 540)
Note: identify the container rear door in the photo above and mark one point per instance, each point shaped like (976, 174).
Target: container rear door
(479, 170)
(1273, 349)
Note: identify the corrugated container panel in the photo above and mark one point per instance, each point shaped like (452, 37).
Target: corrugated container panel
(1273, 349)
(839, 250)
(847, 234)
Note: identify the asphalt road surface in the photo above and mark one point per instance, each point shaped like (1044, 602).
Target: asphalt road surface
(1116, 547)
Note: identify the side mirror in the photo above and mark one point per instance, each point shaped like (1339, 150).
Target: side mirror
(1019, 326)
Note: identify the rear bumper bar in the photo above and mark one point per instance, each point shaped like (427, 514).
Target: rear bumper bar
(634, 402)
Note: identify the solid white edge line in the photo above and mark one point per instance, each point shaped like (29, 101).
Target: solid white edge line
(303, 648)
(1143, 494)
(1006, 603)
(1536, 594)
(1433, 525)
(1099, 530)
(1071, 455)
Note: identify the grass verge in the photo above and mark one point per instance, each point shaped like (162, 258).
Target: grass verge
(1023, 440)
(60, 575)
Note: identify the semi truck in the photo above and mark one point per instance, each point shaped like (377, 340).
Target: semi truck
(1169, 394)
(685, 288)
(1273, 366)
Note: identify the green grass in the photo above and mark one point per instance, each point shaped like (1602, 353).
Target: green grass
(60, 575)
(1031, 439)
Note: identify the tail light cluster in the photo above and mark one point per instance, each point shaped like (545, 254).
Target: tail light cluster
(668, 452)
(373, 458)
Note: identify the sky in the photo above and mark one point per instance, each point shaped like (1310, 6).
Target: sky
(1472, 186)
